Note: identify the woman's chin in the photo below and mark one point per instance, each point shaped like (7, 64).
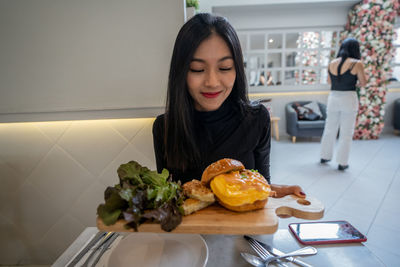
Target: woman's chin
(210, 105)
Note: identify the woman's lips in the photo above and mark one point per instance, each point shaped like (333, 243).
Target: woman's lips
(210, 95)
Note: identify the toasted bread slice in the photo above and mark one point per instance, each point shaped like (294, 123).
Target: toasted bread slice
(195, 189)
(191, 205)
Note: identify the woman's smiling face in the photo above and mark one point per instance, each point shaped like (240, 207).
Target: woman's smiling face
(211, 74)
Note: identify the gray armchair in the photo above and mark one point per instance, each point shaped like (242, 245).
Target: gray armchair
(303, 128)
(396, 116)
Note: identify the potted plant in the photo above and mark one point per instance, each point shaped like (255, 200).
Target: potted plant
(191, 7)
(192, 3)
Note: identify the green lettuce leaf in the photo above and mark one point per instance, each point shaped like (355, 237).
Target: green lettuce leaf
(140, 195)
(114, 204)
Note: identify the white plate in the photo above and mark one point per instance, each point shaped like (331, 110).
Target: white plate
(153, 250)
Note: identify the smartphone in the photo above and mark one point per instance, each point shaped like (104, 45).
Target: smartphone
(328, 232)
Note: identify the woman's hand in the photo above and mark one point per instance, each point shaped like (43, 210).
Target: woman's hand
(284, 190)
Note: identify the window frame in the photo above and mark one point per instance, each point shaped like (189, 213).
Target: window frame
(284, 51)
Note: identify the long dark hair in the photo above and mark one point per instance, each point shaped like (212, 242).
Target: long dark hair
(179, 140)
(349, 48)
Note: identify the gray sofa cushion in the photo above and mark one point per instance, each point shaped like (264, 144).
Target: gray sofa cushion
(318, 124)
(304, 128)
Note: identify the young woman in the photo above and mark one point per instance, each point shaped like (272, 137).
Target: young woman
(208, 114)
(344, 71)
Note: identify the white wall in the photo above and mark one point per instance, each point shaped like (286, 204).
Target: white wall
(53, 176)
(75, 59)
(61, 56)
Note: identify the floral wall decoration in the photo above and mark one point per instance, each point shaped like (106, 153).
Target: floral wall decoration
(309, 57)
(371, 22)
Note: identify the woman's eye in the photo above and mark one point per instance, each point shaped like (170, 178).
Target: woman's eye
(196, 70)
(226, 69)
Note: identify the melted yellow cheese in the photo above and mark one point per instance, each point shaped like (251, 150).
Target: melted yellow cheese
(238, 188)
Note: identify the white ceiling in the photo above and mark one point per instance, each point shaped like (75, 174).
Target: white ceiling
(284, 14)
(251, 5)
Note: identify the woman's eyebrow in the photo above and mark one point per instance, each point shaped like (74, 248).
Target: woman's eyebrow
(203, 61)
(198, 60)
(225, 58)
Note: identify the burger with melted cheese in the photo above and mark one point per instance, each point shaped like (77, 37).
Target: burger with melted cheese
(235, 187)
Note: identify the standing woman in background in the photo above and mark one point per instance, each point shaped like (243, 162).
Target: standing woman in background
(342, 102)
(208, 114)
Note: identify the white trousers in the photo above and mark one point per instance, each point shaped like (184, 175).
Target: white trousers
(341, 115)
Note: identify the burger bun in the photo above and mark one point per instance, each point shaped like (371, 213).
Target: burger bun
(220, 167)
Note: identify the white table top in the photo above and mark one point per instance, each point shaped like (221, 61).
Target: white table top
(224, 250)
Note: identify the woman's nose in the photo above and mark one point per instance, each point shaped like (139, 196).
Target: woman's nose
(212, 79)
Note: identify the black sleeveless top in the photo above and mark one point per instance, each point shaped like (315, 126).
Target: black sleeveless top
(345, 81)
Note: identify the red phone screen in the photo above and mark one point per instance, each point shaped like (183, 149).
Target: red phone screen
(329, 232)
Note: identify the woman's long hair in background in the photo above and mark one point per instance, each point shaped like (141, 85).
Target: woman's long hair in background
(179, 140)
(349, 48)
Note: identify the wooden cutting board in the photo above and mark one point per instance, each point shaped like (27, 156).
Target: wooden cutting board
(217, 220)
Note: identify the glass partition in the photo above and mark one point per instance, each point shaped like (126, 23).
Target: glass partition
(288, 57)
(274, 40)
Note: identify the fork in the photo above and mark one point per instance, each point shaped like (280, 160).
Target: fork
(262, 252)
(300, 252)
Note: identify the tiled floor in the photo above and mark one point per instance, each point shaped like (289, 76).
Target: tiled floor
(367, 194)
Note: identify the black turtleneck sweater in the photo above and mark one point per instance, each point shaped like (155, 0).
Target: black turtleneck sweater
(223, 133)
